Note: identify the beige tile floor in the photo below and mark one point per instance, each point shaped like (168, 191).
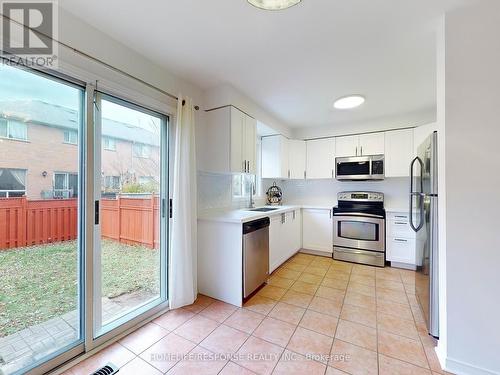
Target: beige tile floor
(316, 316)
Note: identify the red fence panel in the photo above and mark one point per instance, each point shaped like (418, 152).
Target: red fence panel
(12, 222)
(51, 220)
(23, 222)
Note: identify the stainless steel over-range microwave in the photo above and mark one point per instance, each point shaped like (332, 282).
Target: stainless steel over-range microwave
(360, 168)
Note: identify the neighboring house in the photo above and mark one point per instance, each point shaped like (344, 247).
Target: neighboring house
(39, 152)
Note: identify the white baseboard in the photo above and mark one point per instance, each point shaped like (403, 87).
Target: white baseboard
(458, 367)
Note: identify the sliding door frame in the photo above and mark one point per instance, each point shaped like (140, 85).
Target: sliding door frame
(94, 338)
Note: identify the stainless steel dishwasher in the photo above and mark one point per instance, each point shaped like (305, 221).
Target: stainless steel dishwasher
(255, 255)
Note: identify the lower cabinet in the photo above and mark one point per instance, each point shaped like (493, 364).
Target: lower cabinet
(401, 240)
(317, 230)
(285, 237)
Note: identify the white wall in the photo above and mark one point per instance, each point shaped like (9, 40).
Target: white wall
(472, 164)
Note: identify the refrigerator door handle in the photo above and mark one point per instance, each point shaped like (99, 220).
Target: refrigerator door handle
(418, 194)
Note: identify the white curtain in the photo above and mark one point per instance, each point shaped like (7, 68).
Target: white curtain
(183, 249)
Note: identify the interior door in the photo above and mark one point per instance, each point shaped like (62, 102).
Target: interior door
(131, 224)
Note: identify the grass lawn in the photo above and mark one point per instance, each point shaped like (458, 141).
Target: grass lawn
(40, 282)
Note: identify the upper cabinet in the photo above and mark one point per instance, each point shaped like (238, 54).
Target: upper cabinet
(283, 158)
(320, 158)
(297, 159)
(275, 157)
(360, 145)
(398, 152)
(230, 142)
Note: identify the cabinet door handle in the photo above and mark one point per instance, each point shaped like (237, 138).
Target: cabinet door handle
(356, 150)
(330, 214)
(248, 166)
(361, 151)
(305, 175)
(332, 174)
(244, 166)
(289, 173)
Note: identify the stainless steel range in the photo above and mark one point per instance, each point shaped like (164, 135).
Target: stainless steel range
(359, 228)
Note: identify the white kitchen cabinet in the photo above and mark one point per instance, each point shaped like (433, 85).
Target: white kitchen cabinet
(360, 145)
(275, 242)
(398, 152)
(401, 241)
(371, 144)
(229, 143)
(420, 134)
(320, 159)
(347, 146)
(317, 230)
(275, 157)
(285, 237)
(296, 159)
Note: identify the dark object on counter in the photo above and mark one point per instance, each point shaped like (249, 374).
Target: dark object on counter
(274, 195)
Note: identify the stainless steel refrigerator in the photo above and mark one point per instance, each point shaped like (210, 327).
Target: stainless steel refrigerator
(424, 221)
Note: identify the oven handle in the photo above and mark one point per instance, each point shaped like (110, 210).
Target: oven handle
(358, 252)
(359, 214)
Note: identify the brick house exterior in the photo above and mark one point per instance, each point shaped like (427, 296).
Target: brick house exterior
(38, 144)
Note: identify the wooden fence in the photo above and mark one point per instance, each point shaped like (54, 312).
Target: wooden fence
(34, 222)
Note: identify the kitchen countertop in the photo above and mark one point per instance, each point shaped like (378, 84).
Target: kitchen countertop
(243, 215)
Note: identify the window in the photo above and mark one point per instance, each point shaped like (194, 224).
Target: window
(112, 182)
(109, 143)
(65, 185)
(71, 137)
(145, 180)
(13, 129)
(12, 183)
(242, 183)
(141, 150)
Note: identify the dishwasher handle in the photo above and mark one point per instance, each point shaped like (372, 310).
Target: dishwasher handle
(255, 225)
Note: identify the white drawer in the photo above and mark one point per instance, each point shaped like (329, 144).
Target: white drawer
(400, 228)
(401, 250)
(397, 216)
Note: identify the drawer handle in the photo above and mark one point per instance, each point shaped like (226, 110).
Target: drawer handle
(400, 240)
(401, 217)
(400, 223)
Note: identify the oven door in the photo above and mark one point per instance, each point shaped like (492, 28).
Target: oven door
(359, 231)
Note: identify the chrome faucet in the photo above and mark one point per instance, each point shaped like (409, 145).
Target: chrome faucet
(251, 203)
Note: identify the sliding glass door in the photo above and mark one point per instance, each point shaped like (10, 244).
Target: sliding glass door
(83, 218)
(131, 183)
(41, 289)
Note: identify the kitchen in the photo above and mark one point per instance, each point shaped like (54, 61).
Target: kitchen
(308, 187)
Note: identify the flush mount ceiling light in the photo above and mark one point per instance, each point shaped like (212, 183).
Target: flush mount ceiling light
(349, 102)
(274, 4)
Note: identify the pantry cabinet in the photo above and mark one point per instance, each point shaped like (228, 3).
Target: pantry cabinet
(230, 142)
(317, 230)
(285, 237)
(360, 145)
(320, 158)
(398, 152)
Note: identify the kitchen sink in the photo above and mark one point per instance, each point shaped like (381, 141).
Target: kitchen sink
(264, 209)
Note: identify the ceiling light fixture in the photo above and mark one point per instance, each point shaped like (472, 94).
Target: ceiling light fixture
(274, 4)
(349, 102)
